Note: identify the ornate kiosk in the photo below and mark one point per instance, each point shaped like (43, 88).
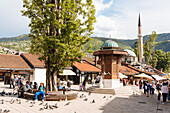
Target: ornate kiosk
(109, 59)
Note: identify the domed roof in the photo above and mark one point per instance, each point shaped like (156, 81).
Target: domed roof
(130, 52)
(110, 43)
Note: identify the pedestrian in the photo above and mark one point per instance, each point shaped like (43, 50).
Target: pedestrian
(81, 87)
(69, 85)
(28, 86)
(12, 82)
(93, 81)
(35, 85)
(84, 84)
(144, 87)
(124, 82)
(158, 88)
(22, 89)
(151, 88)
(140, 85)
(148, 88)
(164, 90)
(41, 92)
(97, 80)
(169, 92)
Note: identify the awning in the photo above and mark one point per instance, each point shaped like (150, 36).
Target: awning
(67, 72)
(143, 75)
(122, 75)
(157, 77)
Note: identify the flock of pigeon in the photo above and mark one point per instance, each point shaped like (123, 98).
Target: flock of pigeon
(43, 105)
(3, 93)
(93, 101)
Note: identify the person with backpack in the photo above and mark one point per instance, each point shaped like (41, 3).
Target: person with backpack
(148, 88)
(158, 88)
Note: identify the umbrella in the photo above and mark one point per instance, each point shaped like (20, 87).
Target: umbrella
(67, 72)
(122, 75)
(143, 75)
(158, 77)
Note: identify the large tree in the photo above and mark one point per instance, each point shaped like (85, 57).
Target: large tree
(136, 50)
(163, 60)
(146, 51)
(149, 49)
(59, 29)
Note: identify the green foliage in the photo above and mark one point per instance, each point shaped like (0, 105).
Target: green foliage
(136, 50)
(149, 49)
(94, 43)
(163, 60)
(58, 34)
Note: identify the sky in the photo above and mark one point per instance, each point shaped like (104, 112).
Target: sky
(118, 18)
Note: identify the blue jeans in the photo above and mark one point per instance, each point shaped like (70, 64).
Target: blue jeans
(38, 93)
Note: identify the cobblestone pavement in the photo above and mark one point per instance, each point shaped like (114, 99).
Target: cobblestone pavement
(126, 100)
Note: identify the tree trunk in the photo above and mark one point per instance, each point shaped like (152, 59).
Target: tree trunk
(55, 81)
(50, 81)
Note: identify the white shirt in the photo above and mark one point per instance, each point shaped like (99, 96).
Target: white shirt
(164, 89)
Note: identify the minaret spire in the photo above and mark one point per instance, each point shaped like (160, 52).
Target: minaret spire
(140, 37)
(139, 23)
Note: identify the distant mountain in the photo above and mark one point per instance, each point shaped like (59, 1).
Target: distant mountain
(23, 37)
(96, 42)
(165, 38)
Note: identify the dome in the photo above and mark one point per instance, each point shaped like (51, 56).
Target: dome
(130, 52)
(110, 43)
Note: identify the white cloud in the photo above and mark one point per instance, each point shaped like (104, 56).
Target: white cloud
(100, 5)
(118, 18)
(124, 20)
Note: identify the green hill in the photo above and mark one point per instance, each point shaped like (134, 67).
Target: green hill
(130, 44)
(22, 42)
(23, 37)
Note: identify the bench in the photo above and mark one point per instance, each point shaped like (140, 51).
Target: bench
(52, 95)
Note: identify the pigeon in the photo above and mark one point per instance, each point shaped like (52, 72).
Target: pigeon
(32, 105)
(46, 107)
(104, 97)
(46, 104)
(50, 107)
(6, 111)
(85, 99)
(67, 103)
(55, 106)
(32, 102)
(80, 96)
(2, 101)
(41, 109)
(19, 102)
(93, 101)
(89, 93)
(12, 101)
(41, 103)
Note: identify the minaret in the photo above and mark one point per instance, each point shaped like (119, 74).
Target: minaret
(140, 41)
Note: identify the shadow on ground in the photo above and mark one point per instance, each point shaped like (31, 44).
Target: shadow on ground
(136, 104)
